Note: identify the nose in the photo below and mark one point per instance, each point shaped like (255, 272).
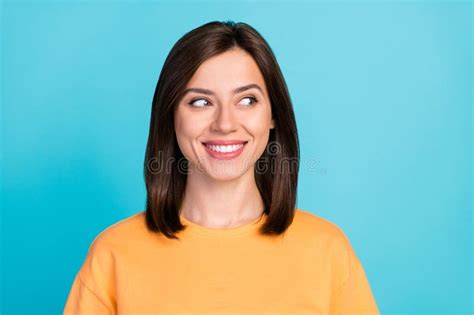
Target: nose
(224, 120)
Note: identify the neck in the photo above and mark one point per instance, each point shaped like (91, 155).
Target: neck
(221, 204)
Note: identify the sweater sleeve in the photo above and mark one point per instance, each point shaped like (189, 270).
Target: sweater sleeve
(352, 294)
(92, 291)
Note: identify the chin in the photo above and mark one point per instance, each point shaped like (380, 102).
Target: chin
(225, 171)
(224, 177)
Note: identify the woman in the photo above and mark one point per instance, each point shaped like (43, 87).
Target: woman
(220, 233)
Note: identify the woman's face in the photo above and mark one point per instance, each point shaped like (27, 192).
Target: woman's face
(226, 102)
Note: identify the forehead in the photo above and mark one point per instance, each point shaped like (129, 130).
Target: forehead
(226, 71)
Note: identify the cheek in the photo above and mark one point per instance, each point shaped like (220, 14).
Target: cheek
(258, 123)
(184, 125)
(260, 132)
(188, 129)
(184, 133)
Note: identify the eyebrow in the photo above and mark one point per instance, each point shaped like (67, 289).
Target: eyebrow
(237, 90)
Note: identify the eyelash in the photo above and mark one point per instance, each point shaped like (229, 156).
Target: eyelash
(255, 100)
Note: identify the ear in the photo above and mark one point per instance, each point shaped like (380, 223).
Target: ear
(272, 124)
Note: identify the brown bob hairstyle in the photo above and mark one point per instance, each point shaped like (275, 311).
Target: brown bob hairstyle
(276, 171)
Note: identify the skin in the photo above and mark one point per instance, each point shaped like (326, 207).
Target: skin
(223, 193)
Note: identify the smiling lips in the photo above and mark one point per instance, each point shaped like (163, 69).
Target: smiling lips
(224, 149)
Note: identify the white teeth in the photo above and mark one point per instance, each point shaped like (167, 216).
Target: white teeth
(224, 148)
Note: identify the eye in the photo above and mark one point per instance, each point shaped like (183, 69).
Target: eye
(253, 99)
(203, 102)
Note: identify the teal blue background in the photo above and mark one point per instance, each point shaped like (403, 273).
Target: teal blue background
(382, 93)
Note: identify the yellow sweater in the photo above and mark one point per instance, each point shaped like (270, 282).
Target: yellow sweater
(311, 270)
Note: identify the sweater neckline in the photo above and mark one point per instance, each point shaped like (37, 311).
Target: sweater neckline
(245, 229)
